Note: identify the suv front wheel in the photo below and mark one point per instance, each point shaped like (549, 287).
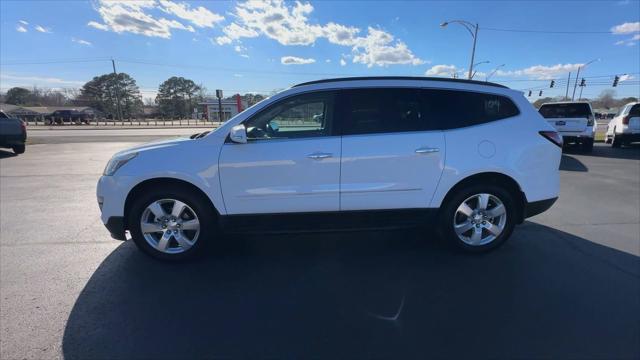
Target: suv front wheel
(479, 218)
(171, 224)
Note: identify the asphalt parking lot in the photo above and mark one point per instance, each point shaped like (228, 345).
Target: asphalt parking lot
(567, 284)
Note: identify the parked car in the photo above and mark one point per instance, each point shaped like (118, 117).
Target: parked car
(13, 133)
(624, 128)
(472, 159)
(573, 120)
(67, 116)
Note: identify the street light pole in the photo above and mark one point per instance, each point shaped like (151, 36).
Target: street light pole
(575, 84)
(476, 65)
(493, 72)
(473, 51)
(473, 31)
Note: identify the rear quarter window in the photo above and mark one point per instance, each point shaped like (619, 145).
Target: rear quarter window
(635, 110)
(557, 111)
(452, 109)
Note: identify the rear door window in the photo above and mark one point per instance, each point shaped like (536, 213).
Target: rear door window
(381, 110)
(558, 111)
(635, 111)
(451, 109)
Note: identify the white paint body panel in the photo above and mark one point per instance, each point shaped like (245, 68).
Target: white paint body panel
(616, 125)
(277, 176)
(379, 171)
(383, 171)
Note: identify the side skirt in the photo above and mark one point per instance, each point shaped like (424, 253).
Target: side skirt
(327, 221)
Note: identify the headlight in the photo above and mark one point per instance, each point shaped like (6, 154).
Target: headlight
(117, 162)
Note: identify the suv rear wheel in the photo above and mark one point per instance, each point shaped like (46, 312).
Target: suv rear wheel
(479, 218)
(587, 145)
(19, 149)
(172, 224)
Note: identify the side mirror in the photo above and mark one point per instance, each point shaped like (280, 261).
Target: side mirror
(238, 134)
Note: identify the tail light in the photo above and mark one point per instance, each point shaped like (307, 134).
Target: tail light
(590, 120)
(23, 125)
(625, 120)
(552, 136)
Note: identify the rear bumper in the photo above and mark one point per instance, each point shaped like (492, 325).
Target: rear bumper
(628, 137)
(11, 140)
(537, 207)
(115, 225)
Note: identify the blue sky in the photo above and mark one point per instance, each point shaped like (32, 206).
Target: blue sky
(266, 46)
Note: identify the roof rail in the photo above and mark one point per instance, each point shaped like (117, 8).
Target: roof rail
(419, 78)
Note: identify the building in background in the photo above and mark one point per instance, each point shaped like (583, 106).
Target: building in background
(230, 108)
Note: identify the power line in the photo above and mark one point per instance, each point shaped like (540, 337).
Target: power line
(546, 31)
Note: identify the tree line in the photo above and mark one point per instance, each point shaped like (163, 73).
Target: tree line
(118, 94)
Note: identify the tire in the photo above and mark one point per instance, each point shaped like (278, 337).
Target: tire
(19, 149)
(587, 145)
(615, 141)
(450, 214)
(196, 208)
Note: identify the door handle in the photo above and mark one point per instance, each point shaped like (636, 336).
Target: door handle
(426, 150)
(319, 156)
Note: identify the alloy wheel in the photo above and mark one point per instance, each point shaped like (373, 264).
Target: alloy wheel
(480, 219)
(170, 226)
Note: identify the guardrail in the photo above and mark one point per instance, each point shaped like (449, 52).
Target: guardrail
(130, 122)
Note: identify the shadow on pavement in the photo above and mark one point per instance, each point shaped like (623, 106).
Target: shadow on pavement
(545, 293)
(630, 152)
(6, 154)
(569, 163)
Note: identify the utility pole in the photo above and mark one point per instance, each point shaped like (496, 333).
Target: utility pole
(117, 90)
(566, 95)
(219, 96)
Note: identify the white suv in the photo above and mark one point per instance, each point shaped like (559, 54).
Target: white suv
(625, 127)
(473, 157)
(573, 120)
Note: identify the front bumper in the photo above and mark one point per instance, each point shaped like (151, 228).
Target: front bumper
(538, 207)
(115, 225)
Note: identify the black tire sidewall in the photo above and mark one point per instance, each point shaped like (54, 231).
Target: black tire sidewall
(449, 210)
(19, 149)
(206, 216)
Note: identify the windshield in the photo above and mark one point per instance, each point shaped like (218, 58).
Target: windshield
(571, 110)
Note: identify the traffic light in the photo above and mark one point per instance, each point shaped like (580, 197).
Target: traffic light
(540, 94)
(529, 92)
(615, 80)
(583, 82)
(553, 82)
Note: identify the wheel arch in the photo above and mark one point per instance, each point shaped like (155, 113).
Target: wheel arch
(493, 178)
(165, 182)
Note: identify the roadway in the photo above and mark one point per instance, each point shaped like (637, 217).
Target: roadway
(567, 285)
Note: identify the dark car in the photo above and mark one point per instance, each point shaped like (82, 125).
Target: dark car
(13, 133)
(67, 116)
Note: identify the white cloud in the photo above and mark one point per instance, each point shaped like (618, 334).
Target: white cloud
(541, 72)
(23, 22)
(293, 60)
(238, 75)
(20, 28)
(244, 56)
(289, 25)
(81, 42)
(19, 80)
(378, 48)
(626, 77)
(327, 60)
(199, 16)
(443, 70)
(343, 62)
(626, 28)
(43, 29)
(97, 25)
(129, 16)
